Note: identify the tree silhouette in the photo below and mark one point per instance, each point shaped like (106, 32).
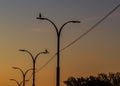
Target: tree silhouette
(102, 79)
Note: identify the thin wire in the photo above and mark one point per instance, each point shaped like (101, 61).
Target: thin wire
(93, 27)
(81, 36)
(44, 65)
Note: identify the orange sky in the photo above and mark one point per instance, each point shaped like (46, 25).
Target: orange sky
(98, 51)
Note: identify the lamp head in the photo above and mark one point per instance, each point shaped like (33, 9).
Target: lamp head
(22, 50)
(14, 67)
(46, 51)
(26, 80)
(76, 21)
(40, 17)
(11, 79)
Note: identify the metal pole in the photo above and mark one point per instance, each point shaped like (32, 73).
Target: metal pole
(23, 74)
(16, 82)
(58, 45)
(34, 62)
(58, 61)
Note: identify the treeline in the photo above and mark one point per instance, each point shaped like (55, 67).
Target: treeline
(102, 79)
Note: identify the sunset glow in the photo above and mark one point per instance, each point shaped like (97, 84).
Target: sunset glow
(96, 52)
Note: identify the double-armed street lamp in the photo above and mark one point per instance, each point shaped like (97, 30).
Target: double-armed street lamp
(19, 84)
(58, 31)
(34, 61)
(23, 74)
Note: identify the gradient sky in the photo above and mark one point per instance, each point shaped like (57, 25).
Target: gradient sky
(98, 51)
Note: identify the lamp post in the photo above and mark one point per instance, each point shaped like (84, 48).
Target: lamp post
(19, 84)
(23, 73)
(58, 31)
(34, 61)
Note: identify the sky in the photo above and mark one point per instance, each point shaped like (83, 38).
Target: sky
(96, 52)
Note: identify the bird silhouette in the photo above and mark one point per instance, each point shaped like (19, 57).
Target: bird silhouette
(46, 51)
(40, 15)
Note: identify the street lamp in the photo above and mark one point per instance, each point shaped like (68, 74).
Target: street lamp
(58, 31)
(19, 84)
(34, 61)
(23, 73)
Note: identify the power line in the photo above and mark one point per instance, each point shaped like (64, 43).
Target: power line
(43, 65)
(81, 36)
(46, 63)
(93, 27)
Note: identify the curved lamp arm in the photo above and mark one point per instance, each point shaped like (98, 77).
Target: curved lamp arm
(19, 69)
(40, 18)
(28, 70)
(66, 24)
(58, 31)
(27, 52)
(16, 82)
(45, 52)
